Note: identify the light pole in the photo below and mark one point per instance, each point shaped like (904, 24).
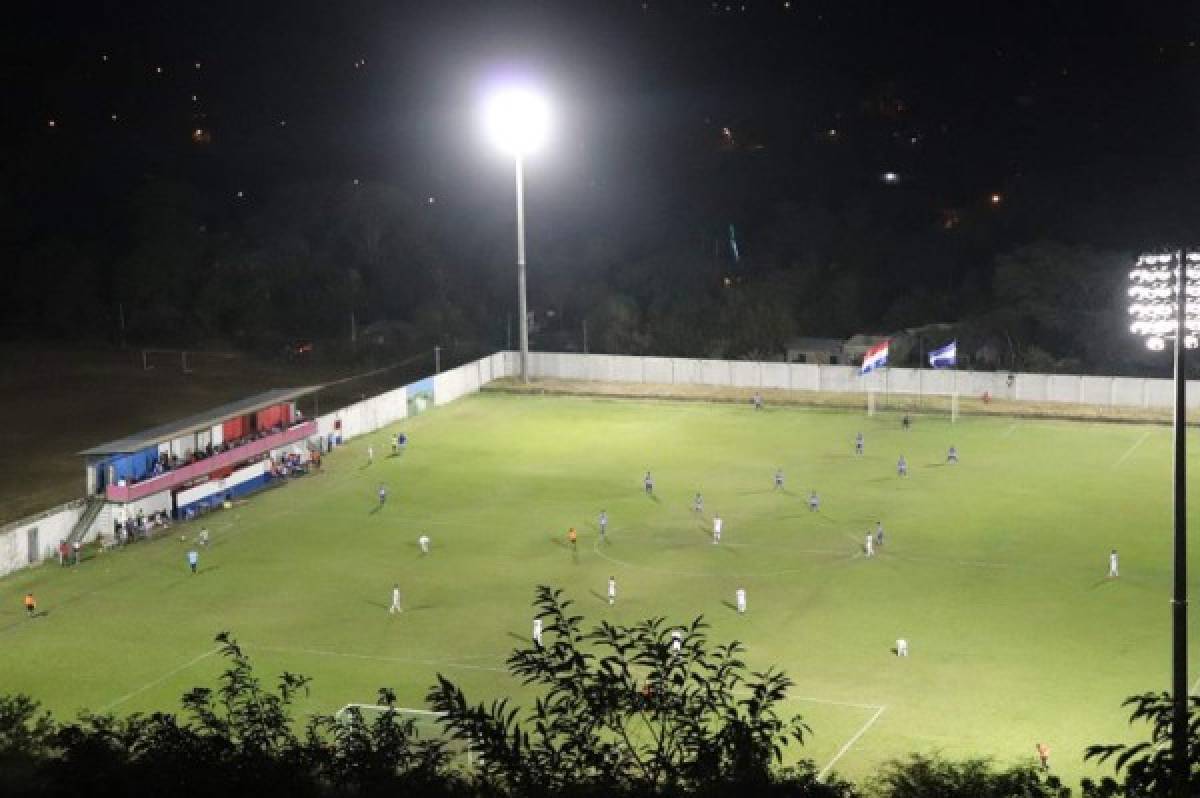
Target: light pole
(518, 119)
(1161, 310)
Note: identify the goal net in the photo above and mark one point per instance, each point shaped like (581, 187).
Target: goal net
(426, 726)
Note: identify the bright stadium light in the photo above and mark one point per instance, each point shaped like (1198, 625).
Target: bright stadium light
(518, 119)
(1165, 306)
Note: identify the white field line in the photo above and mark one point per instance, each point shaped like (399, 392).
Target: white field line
(846, 747)
(1132, 449)
(380, 658)
(151, 684)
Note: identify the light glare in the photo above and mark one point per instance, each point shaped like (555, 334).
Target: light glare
(518, 120)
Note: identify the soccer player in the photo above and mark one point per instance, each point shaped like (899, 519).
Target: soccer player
(30, 604)
(869, 545)
(778, 479)
(382, 494)
(952, 455)
(717, 524)
(370, 455)
(203, 536)
(1043, 752)
(698, 503)
(392, 610)
(901, 647)
(572, 537)
(537, 632)
(905, 422)
(902, 467)
(603, 525)
(193, 559)
(648, 483)
(858, 443)
(423, 542)
(878, 533)
(676, 641)
(814, 503)
(740, 595)
(395, 445)
(1113, 571)
(757, 400)
(612, 590)
(402, 439)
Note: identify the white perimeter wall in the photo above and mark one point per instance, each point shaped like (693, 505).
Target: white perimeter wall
(53, 527)
(1096, 391)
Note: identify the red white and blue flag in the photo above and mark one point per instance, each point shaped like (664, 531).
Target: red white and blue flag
(876, 357)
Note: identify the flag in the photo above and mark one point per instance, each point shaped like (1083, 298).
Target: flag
(876, 357)
(944, 358)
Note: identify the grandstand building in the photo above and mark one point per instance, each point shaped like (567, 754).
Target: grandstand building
(199, 462)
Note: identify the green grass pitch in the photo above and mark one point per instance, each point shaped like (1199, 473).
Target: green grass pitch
(993, 570)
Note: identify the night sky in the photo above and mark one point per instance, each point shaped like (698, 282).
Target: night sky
(1065, 121)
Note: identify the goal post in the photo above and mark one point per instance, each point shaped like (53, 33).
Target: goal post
(426, 724)
(870, 403)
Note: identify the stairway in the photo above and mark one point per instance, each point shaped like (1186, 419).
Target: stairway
(85, 523)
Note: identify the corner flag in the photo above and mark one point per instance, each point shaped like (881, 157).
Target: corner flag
(945, 357)
(876, 357)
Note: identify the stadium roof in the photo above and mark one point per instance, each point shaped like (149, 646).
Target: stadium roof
(200, 421)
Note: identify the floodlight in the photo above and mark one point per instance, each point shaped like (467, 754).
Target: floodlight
(518, 120)
(1154, 294)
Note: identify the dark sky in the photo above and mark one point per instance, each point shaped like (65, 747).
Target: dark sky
(1051, 105)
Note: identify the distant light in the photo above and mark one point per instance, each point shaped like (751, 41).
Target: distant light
(195, 99)
(518, 119)
(728, 282)
(787, 4)
(1155, 344)
(356, 181)
(890, 177)
(196, 65)
(113, 117)
(104, 58)
(283, 123)
(158, 70)
(832, 133)
(241, 195)
(431, 200)
(997, 199)
(51, 123)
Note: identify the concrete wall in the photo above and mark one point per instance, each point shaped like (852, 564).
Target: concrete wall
(53, 526)
(1096, 391)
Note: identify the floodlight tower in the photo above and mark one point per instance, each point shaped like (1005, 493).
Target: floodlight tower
(518, 119)
(1165, 303)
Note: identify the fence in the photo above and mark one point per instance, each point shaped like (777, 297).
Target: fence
(1022, 387)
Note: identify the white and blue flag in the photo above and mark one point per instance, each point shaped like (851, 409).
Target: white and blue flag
(944, 358)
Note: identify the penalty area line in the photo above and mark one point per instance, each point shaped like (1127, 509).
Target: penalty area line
(156, 682)
(1132, 449)
(849, 743)
(379, 658)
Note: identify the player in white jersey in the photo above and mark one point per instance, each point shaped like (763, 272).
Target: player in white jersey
(648, 484)
(878, 533)
(858, 443)
(902, 467)
(717, 524)
(869, 545)
(740, 595)
(382, 494)
(676, 641)
(778, 479)
(395, 600)
(1113, 570)
(952, 455)
(814, 502)
(901, 647)
(370, 455)
(603, 525)
(423, 542)
(537, 632)
(612, 590)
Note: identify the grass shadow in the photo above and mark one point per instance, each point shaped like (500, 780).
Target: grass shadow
(378, 604)
(599, 596)
(729, 604)
(375, 509)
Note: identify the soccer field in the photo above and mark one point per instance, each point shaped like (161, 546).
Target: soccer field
(994, 570)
